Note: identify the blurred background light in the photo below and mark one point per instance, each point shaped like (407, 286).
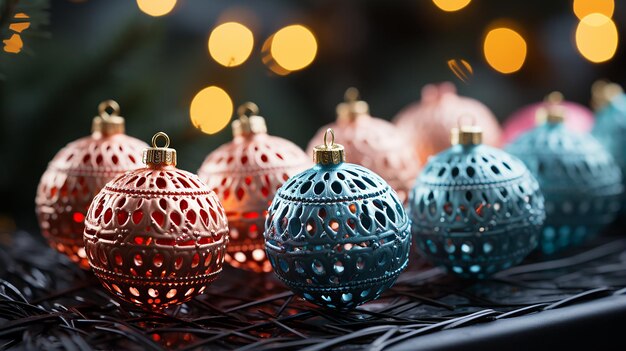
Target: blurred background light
(211, 109)
(461, 69)
(19, 26)
(582, 8)
(230, 44)
(451, 5)
(14, 44)
(505, 50)
(156, 8)
(292, 48)
(597, 38)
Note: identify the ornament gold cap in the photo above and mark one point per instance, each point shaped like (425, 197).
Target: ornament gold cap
(466, 134)
(108, 123)
(332, 153)
(157, 156)
(249, 122)
(602, 92)
(552, 111)
(352, 107)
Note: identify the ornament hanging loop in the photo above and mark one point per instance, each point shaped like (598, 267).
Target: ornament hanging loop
(247, 109)
(106, 105)
(249, 121)
(327, 154)
(159, 156)
(156, 137)
(332, 138)
(108, 123)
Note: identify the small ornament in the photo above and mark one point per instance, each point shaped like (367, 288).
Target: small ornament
(156, 236)
(337, 233)
(579, 117)
(429, 121)
(245, 174)
(373, 143)
(475, 209)
(610, 126)
(580, 180)
(77, 173)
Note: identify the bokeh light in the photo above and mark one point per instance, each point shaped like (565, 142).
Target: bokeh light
(597, 38)
(14, 44)
(19, 26)
(156, 8)
(582, 8)
(211, 109)
(293, 47)
(230, 44)
(505, 50)
(451, 5)
(461, 69)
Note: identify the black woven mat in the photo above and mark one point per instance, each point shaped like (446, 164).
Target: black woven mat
(47, 303)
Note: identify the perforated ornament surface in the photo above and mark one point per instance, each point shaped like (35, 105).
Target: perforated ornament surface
(337, 235)
(580, 181)
(73, 177)
(476, 210)
(156, 237)
(245, 174)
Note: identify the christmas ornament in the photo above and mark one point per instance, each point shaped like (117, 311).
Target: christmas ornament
(77, 173)
(580, 180)
(337, 234)
(579, 117)
(245, 174)
(429, 121)
(610, 126)
(475, 209)
(156, 236)
(373, 143)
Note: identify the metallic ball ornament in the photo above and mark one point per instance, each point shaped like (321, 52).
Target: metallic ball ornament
(579, 117)
(373, 143)
(429, 121)
(77, 173)
(245, 174)
(475, 209)
(580, 180)
(337, 233)
(156, 236)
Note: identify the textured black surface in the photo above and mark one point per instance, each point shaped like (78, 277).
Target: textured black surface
(48, 303)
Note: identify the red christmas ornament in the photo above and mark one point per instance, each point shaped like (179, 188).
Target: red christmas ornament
(429, 121)
(245, 174)
(156, 236)
(77, 173)
(373, 143)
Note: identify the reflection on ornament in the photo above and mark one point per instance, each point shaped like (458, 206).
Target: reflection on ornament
(578, 177)
(579, 117)
(77, 173)
(337, 234)
(373, 143)
(475, 209)
(156, 236)
(245, 174)
(429, 122)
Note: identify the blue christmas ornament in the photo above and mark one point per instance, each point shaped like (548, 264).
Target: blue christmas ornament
(337, 234)
(475, 209)
(610, 126)
(578, 177)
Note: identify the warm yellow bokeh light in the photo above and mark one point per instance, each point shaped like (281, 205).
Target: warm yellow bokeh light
(156, 8)
(597, 38)
(505, 50)
(293, 47)
(211, 109)
(14, 44)
(582, 8)
(230, 44)
(451, 5)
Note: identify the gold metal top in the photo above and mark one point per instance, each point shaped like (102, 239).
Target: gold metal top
(108, 123)
(352, 107)
(467, 135)
(329, 153)
(602, 92)
(249, 122)
(159, 156)
(553, 111)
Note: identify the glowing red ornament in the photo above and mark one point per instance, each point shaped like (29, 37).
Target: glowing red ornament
(156, 236)
(429, 121)
(77, 173)
(373, 143)
(579, 118)
(245, 174)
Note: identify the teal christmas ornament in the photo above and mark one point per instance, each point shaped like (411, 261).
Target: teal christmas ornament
(580, 180)
(475, 209)
(337, 234)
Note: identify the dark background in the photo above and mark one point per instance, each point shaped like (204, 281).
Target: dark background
(153, 66)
